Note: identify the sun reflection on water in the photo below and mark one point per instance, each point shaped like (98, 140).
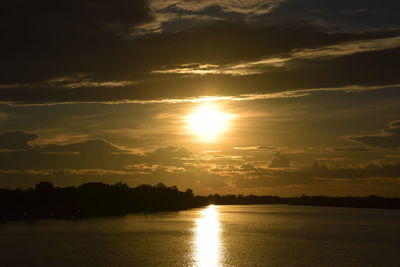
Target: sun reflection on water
(207, 240)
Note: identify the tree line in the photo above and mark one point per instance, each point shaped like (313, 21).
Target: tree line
(90, 200)
(100, 199)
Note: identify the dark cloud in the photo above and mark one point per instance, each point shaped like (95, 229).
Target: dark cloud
(46, 39)
(388, 138)
(139, 50)
(248, 167)
(89, 154)
(263, 177)
(280, 161)
(338, 15)
(256, 148)
(348, 149)
(380, 169)
(88, 160)
(95, 147)
(93, 159)
(16, 140)
(119, 69)
(169, 154)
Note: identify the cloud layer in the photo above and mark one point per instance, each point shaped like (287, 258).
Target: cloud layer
(97, 56)
(388, 138)
(95, 159)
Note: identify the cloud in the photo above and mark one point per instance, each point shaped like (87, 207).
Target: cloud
(70, 83)
(269, 64)
(380, 169)
(170, 155)
(271, 177)
(387, 138)
(251, 7)
(44, 18)
(355, 11)
(43, 40)
(280, 161)
(200, 99)
(182, 22)
(94, 147)
(88, 154)
(348, 48)
(16, 140)
(47, 57)
(247, 68)
(256, 148)
(170, 152)
(94, 159)
(4, 116)
(348, 149)
(331, 159)
(111, 67)
(17, 154)
(340, 15)
(173, 15)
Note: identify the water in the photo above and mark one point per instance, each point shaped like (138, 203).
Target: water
(255, 235)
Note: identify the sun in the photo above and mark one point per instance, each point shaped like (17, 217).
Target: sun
(208, 122)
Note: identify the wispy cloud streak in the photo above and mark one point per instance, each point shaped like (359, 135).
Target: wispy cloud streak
(266, 64)
(200, 99)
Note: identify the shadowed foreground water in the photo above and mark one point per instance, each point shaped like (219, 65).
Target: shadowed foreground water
(254, 235)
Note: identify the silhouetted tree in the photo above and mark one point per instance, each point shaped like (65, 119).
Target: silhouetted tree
(100, 199)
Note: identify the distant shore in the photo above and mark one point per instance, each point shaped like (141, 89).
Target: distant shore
(372, 201)
(99, 199)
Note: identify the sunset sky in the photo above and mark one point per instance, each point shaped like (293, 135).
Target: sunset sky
(273, 97)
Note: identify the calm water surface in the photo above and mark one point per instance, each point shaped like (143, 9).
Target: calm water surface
(255, 235)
